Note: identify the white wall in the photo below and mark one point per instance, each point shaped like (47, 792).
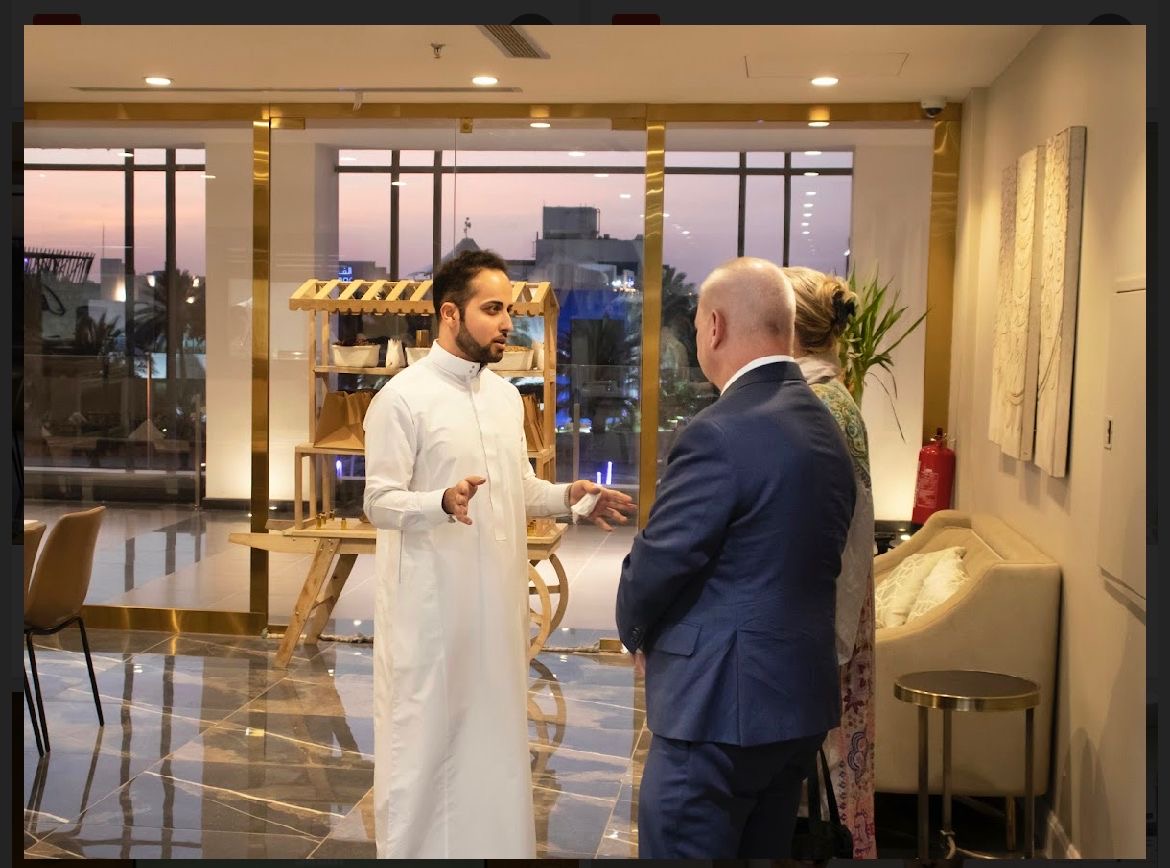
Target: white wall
(1095, 77)
(891, 233)
(304, 245)
(229, 312)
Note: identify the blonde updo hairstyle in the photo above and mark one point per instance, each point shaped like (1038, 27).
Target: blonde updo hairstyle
(824, 306)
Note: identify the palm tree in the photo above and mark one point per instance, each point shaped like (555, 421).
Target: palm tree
(679, 301)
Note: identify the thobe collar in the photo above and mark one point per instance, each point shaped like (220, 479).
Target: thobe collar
(461, 369)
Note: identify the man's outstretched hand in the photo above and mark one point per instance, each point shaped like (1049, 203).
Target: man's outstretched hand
(611, 505)
(457, 499)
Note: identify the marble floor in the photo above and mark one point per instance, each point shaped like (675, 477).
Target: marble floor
(210, 751)
(177, 556)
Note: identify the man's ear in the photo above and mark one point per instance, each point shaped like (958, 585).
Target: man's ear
(449, 311)
(718, 328)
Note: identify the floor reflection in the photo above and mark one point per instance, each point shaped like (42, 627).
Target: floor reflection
(210, 751)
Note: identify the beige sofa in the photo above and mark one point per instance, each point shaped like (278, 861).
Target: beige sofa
(1003, 619)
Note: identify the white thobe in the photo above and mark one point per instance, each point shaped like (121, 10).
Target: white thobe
(451, 763)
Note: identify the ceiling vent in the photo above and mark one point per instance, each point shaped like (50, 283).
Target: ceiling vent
(512, 41)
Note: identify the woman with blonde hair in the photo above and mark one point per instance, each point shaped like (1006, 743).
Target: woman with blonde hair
(824, 304)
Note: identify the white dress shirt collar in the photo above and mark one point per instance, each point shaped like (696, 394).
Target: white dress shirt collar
(752, 365)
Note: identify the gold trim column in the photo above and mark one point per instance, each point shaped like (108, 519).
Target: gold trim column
(261, 271)
(940, 277)
(651, 318)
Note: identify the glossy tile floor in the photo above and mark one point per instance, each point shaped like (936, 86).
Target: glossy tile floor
(209, 751)
(176, 556)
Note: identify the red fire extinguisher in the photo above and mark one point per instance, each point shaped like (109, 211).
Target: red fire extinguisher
(936, 478)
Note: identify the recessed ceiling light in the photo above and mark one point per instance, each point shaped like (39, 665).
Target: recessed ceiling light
(812, 174)
(811, 193)
(803, 224)
(600, 175)
(665, 215)
(805, 232)
(623, 195)
(806, 214)
(686, 232)
(818, 124)
(484, 80)
(157, 80)
(809, 204)
(824, 81)
(812, 153)
(576, 153)
(540, 125)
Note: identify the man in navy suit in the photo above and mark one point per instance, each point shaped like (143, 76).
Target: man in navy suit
(727, 597)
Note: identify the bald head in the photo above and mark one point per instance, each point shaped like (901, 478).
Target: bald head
(746, 310)
(755, 297)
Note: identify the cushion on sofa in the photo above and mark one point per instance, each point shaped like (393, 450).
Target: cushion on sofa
(895, 596)
(947, 576)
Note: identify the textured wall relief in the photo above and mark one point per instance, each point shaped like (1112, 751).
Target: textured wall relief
(1000, 347)
(1017, 336)
(1064, 175)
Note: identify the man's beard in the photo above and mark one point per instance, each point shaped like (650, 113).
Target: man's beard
(483, 353)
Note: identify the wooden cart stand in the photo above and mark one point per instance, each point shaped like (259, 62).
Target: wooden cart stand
(335, 548)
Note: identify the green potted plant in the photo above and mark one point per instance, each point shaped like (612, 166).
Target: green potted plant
(868, 340)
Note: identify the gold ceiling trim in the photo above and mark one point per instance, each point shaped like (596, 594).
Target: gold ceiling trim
(851, 112)
(895, 112)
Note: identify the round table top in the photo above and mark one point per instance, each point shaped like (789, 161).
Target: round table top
(967, 690)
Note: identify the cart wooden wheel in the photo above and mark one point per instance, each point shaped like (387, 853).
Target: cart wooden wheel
(560, 589)
(539, 619)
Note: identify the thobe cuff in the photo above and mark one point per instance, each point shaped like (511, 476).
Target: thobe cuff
(558, 499)
(431, 507)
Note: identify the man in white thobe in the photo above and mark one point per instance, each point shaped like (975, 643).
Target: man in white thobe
(449, 487)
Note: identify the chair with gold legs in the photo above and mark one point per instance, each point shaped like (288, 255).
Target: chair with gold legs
(56, 592)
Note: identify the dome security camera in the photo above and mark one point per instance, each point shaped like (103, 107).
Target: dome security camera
(932, 106)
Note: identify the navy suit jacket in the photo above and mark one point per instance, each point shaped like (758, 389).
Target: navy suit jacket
(730, 589)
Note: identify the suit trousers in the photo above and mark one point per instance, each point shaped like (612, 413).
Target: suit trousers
(706, 800)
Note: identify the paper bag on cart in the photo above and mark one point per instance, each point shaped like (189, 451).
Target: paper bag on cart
(339, 424)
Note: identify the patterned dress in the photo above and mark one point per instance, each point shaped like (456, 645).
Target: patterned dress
(849, 747)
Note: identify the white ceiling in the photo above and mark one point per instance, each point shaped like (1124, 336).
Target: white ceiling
(586, 63)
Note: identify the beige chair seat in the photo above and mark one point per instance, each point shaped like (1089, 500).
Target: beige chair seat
(56, 593)
(1004, 618)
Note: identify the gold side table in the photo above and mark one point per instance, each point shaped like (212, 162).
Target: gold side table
(966, 690)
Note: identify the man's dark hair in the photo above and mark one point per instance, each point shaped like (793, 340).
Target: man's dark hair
(452, 282)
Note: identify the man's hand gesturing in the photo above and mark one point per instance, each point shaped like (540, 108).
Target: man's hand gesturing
(612, 505)
(456, 500)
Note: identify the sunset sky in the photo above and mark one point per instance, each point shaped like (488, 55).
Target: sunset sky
(78, 210)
